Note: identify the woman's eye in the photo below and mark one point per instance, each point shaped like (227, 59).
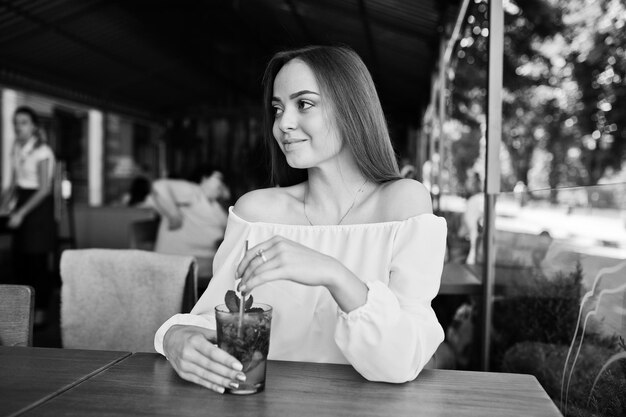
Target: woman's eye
(304, 105)
(277, 111)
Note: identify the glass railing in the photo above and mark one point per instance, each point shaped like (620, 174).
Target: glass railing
(559, 309)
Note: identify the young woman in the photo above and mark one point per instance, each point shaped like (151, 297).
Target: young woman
(32, 216)
(348, 254)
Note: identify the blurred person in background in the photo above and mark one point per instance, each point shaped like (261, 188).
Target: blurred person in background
(193, 218)
(473, 217)
(139, 193)
(29, 204)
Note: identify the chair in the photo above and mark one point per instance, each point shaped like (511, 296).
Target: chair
(143, 234)
(17, 303)
(116, 299)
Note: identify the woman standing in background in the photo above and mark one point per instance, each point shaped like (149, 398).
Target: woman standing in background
(29, 203)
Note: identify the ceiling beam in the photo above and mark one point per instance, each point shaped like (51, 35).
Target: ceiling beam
(42, 82)
(300, 21)
(416, 32)
(20, 36)
(180, 47)
(21, 12)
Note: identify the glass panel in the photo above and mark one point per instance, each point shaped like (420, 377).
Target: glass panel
(457, 155)
(560, 294)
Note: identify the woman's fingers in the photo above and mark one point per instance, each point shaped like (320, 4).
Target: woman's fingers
(273, 260)
(280, 259)
(258, 264)
(199, 361)
(259, 278)
(253, 253)
(208, 377)
(196, 379)
(215, 354)
(206, 371)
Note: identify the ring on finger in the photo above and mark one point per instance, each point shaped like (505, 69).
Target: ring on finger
(261, 255)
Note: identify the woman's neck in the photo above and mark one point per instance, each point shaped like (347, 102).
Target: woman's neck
(22, 141)
(329, 195)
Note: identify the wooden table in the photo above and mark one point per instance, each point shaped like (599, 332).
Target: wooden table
(145, 384)
(31, 376)
(459, 279)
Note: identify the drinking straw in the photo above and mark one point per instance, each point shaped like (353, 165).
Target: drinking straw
(242, 306)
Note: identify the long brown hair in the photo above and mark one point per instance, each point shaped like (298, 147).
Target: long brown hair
(347, 85)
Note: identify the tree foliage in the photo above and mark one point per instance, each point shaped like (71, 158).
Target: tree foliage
(563, 88)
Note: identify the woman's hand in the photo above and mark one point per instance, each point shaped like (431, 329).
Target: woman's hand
(280, 258)
(196, 359)
(15, 220)
(174, 222)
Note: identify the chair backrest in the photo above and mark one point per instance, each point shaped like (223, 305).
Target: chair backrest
(143, 234)
(116, 299)
(17, 303)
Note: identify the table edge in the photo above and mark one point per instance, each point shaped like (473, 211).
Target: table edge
(69, 386)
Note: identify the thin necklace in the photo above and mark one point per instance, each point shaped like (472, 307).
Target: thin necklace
(356, 195)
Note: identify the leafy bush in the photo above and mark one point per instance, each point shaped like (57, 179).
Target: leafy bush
(538, 310)
(545, 361)
(534, 329)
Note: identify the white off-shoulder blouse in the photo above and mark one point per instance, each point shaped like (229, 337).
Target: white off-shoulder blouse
(390, 338)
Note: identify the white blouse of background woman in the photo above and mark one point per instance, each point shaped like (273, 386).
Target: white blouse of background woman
(25, 160)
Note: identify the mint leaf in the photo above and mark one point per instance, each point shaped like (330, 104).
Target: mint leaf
(232, 301)
(249, 302)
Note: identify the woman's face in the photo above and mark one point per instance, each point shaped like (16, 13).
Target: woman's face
(24, 126)
(303, 125)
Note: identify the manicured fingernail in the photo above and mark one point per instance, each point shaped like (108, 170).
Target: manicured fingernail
(233, 385)
(219, 390)
(237, 366)
(241, 377)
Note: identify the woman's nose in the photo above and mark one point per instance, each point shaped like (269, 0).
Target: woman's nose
(288, 120)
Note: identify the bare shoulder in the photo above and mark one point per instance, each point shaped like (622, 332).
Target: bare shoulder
(264, 205)
(404, 198)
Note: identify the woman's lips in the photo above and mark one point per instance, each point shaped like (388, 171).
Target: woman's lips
(290, 143)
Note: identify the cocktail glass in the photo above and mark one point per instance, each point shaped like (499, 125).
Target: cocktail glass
(249, 345)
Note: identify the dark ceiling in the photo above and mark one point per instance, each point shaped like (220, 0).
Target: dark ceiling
(158, 57)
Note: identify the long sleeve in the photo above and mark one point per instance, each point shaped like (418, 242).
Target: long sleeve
(395, 333)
